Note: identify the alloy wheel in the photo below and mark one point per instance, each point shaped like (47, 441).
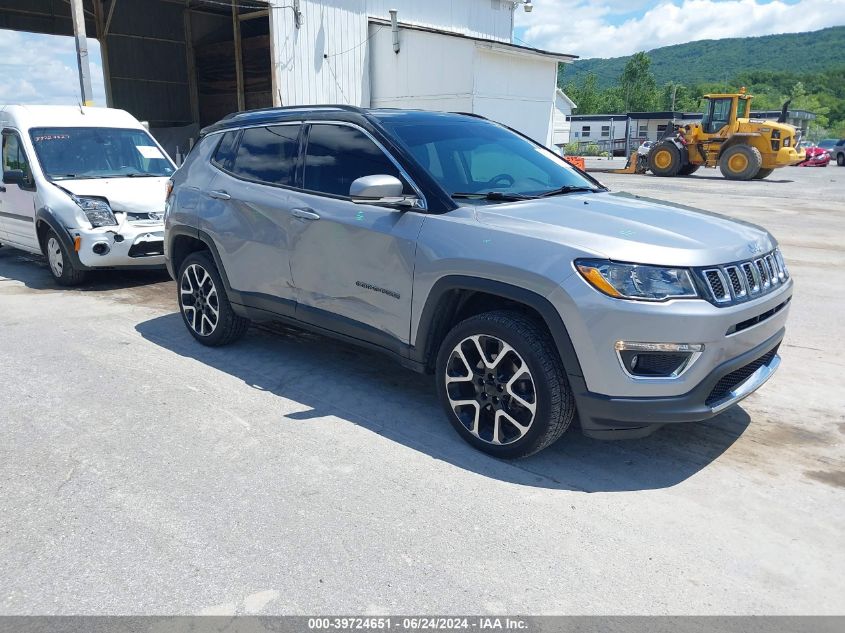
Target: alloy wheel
(199, 300)
(55, 257)
(491, 389)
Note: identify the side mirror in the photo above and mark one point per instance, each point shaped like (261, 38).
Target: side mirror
(15, 177)
(381, 190)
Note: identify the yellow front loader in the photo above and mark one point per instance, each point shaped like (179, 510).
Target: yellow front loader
(743, 148)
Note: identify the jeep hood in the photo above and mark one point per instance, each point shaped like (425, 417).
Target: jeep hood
(135, 195)
(624, 227)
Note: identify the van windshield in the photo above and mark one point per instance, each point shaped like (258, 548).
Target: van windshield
(66, 153)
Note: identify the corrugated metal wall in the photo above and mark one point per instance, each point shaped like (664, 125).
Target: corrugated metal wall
(146, 61)
(326, 60)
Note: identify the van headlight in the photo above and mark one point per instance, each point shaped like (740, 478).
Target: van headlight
(97, 211)
(636, 281)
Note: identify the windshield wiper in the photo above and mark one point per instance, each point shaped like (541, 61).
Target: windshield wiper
(138, 175)
(569, 189)
(500, 196)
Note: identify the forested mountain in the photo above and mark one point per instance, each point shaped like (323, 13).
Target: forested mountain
(712, 61)
(806, 68)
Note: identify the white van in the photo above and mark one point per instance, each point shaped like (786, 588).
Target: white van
(84, 186)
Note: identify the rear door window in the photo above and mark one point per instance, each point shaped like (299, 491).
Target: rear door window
(337, 155)
(224, 155)
(268, 154)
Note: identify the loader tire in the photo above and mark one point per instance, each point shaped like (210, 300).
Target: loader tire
(740, 162)
(664, 159)
(688, 169)
(763, 173)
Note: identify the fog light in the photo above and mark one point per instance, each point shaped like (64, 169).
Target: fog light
(100, 248)
(657, 360)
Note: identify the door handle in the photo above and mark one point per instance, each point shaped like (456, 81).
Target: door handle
(220, 195)
(305, 214)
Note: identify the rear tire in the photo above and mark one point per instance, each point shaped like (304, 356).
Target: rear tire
(664, 159)
(59, 261)
(763, 173)
(688, 169)
(740, 162)
(204, 305)
(502, 384)
(840, 160)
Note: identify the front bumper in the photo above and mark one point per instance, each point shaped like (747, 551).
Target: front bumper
(609, 417)
(789, 156)
(608, 398)
(126, 245)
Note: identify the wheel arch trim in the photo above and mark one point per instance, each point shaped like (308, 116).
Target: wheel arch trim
(430, 325)
(44, 216)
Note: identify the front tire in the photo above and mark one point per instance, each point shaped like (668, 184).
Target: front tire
(502, 384)
(840, 160)
(688, 170)
(664, 159)
(740, 162)
(763, 173)
(204, 305)
(59, 261)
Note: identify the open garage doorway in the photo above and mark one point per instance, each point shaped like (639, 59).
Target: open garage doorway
(176, 64)
(232, 57)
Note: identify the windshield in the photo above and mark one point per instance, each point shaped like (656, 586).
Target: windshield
(467, 155)
(98, 152)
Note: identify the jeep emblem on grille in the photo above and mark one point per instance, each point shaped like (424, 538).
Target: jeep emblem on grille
(755, 249)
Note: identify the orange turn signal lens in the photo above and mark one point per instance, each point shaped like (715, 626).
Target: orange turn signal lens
(597, 280)
(77, 243)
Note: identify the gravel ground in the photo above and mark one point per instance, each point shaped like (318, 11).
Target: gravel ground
(141, 473)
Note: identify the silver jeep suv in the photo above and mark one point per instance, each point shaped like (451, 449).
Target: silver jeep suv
(464, 249)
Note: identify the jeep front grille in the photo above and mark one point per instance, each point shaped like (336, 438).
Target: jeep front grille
(745, 280)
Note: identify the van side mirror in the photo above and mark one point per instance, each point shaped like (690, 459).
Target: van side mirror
(15, 177)
(382, 190)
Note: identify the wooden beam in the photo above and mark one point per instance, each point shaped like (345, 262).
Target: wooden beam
(108, 19)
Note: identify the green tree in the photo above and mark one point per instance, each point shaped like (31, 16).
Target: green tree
(639, 89)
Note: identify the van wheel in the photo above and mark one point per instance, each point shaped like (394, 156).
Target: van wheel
(740, 162)
(840, 160)
(59, 261)
(203, 303)
(502, 384)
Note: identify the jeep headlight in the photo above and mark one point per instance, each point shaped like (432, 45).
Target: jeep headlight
(635, 281)
(97, 211)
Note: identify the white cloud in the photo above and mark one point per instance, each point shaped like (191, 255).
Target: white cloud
(41, 69)
(593, 29)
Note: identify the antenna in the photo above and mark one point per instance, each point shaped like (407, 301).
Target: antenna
(81, 111)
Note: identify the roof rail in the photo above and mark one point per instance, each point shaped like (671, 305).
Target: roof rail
(472, 114)
(235, 115)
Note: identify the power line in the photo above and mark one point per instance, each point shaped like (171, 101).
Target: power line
(349, 50)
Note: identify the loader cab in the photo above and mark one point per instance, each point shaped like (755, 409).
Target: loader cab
(723, 110)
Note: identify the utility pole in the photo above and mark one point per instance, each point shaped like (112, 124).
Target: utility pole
(78, 15)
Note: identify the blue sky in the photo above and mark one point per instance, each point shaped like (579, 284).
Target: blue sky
(42, 68)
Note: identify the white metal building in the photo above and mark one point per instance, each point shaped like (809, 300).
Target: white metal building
(455, 55)
(562, 127)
